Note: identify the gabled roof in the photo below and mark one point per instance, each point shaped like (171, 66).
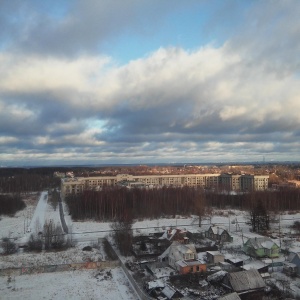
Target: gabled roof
(169, 291)
(261, 242)
(217, 230)
(246, 280)
(177, 249)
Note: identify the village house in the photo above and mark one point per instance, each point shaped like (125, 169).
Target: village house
(183, 258)
(293, 267)
(218, 234)
(261, 247)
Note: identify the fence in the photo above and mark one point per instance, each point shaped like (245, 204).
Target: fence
(59, 268)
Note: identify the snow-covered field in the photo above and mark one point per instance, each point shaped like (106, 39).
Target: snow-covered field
(95, 284)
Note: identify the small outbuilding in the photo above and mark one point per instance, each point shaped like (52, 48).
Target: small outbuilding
(244, 282)
(214, 257)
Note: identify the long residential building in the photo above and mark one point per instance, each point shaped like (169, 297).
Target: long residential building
(221, 181)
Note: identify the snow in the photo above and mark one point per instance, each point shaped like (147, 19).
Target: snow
(39, 213)
(84, 284)
(72, 255)
(216, 277)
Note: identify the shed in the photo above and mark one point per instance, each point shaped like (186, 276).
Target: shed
(214, 257)
(244, 281)
(171, 293)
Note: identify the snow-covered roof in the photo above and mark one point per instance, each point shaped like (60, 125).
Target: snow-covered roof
(256, 264)
(168, 291)
(216, 277)
(261, 242)
(177, 251)
(236, 258)
(217, 230)
(155, 284)
(169, 234)
(246, 280)
(184, 263)
(214, 253)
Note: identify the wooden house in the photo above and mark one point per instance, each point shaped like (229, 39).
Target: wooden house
(218, 234)
(183, 258)
(261, 247)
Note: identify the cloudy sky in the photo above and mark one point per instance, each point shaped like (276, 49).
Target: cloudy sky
(134, 81)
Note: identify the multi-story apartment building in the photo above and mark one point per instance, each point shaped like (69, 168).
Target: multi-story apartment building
(222, 181)
(245, 182)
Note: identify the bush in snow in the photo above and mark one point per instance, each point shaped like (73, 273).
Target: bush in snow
(35, 242)
(8, 246)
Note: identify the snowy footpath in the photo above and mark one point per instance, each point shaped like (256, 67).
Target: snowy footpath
(38, 220)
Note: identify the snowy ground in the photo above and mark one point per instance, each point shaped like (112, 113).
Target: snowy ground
(95, 284)
(72, 255)
(84, 284)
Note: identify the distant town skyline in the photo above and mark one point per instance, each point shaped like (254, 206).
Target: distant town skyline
(137, 82)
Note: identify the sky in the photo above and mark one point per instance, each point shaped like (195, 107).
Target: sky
(160, 81)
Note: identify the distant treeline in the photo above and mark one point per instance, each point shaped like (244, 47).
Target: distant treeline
(27, 183)
(288, 199)
(20, 180)
(10, 204)
(112, 203)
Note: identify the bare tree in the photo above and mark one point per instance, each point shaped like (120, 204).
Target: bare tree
(35, 242)
(123, 233)
(259, 218)
(200, 205)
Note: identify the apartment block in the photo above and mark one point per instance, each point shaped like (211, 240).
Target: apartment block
(226, 181)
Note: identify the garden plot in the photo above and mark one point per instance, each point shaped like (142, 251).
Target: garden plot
(95, 284)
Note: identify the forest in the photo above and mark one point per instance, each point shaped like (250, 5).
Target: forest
(21, 180)
(111, 203)
(10, 204)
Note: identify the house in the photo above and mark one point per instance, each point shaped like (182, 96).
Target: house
(218, 234)
(261, 247)
(290, 269)
(244, 282)
(214, 257)
(183, 258)
(294, 258)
